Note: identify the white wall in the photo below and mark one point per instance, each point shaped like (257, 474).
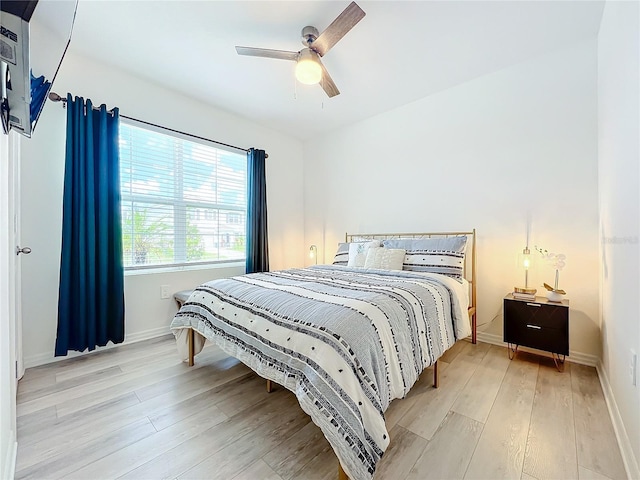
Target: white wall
(486, 154)
(618, 171)
(42, 183)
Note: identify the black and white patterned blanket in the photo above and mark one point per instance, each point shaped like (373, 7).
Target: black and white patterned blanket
(346, 341)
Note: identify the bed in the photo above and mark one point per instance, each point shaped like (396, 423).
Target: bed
(345, 339)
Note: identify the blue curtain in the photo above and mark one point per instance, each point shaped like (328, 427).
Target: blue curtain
(257, 239)
(91, 297)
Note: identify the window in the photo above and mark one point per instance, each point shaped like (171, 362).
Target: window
(177, 198)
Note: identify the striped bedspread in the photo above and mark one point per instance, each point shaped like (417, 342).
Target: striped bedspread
(346, 341)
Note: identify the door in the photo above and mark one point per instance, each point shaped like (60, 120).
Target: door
(7, 325)
(20, 250)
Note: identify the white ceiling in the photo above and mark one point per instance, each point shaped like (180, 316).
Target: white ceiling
(399, 52)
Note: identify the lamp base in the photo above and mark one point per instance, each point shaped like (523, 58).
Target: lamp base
(527, 290)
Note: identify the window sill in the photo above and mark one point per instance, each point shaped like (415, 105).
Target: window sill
(183, 268)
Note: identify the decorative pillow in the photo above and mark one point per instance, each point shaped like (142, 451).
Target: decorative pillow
(444, 255)
(358, 252)
(384, 258)
(342, 255)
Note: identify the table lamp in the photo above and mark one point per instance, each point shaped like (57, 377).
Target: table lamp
(526, 264)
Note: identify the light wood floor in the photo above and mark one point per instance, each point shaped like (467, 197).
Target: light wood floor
(137, 412)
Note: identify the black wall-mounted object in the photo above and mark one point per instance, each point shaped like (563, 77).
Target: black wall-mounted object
(19, 8)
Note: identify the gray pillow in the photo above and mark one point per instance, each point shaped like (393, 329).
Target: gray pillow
(342, 255)
(444, 255)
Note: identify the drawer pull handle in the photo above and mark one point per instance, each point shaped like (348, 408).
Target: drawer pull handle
(534, 304)
(534, 326)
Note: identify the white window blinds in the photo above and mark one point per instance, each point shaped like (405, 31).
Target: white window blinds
(183, 202)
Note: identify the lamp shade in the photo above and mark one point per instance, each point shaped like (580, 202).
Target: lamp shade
(308, 68)
(525, 262)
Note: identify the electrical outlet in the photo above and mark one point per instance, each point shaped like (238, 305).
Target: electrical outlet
(633, 367)
(164, 292)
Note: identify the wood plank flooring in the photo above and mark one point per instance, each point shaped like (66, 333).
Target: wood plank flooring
(138, 412)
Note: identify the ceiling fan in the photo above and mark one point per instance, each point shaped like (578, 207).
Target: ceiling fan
(309, 68)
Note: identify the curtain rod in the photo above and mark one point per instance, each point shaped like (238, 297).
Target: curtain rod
(54, 97)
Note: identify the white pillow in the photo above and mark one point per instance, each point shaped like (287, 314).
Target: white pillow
(385, 258)
(358, 252)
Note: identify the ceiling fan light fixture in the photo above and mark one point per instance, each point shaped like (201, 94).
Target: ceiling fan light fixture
(308, 68)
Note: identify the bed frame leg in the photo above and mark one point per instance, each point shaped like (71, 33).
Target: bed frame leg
(474, 333)
(190, 342)
(341, 474)
(436, 376)
(269, 386)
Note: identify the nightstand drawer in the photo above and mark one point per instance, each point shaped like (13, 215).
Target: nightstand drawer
(543, 315)
(532, 334)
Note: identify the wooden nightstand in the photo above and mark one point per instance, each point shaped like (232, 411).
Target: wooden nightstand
(539, 324)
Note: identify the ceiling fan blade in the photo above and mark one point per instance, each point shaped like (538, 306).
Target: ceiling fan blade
(338, 28)
(326, 82)
(268, 53)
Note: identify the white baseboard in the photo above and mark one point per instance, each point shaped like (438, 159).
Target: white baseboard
(9, 470)
(146, 335)
(628, 457)
(575, 357)
(48, 357)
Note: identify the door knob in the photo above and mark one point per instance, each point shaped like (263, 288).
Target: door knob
(25, 250)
